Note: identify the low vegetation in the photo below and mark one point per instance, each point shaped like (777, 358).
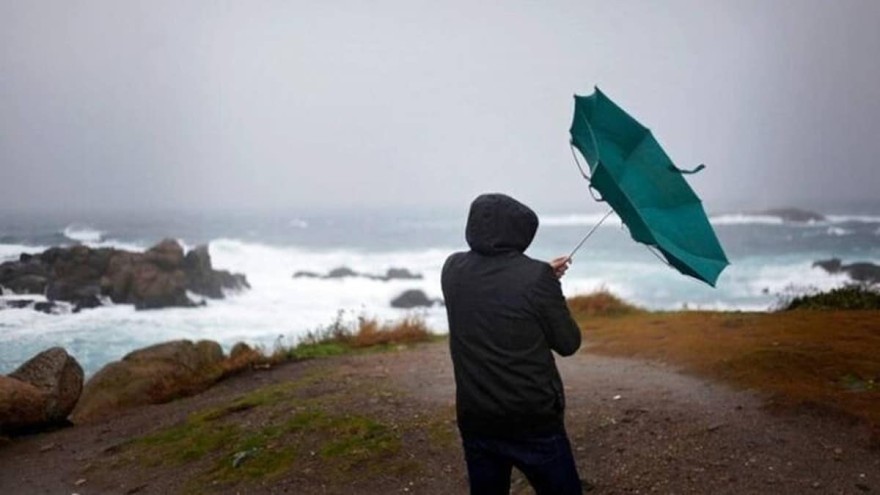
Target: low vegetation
(361, 334)
(328, 427)
(600, 303)
(341, 337)
(818, 360)
(853, 296)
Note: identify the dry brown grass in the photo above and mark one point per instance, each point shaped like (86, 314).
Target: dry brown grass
(601, 302)
(406, 331)
(244, 361)
(823, 361)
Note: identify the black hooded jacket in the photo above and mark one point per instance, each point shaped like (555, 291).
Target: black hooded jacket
(506, 313)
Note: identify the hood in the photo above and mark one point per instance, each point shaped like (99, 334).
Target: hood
(498, 223)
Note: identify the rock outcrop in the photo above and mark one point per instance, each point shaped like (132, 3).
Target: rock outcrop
(157, 278)
(22, 405)
(152, 375)
(346, 272)
(58, 375)
(202, 279)
(864, 272)
(795, 215)
(413, 298)
(42, 392)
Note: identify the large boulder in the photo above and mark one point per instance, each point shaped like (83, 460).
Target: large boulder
(58, 375)
(201, 278)
(25, 276)
(22, 405)
(76, 272)
(864, 271)
(832, 265)
(116, 281)
(152, 375)
(341, 272)
(154, 279)
(413, 298)
(157, 278)
(795, 215)
(152, 287)
(400, 274)
(167, 255)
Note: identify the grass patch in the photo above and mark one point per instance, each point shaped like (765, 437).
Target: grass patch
(352, 437)
(190, 441)
(853, 296)
(362, 334)
(827, 357)
(297, 426)
(600, 303)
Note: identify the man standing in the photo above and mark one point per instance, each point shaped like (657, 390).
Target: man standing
(506, 314)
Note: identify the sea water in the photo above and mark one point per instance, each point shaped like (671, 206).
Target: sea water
(768, 257)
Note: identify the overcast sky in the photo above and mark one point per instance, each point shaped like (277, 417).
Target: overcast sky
(262, 104)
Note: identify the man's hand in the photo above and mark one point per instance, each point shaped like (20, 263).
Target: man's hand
(560, 265)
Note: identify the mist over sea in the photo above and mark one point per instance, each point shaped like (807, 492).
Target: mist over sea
(768, 257)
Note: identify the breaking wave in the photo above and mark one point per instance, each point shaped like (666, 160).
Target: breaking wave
(83, 234)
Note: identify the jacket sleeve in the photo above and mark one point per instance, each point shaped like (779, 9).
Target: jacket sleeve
(560, 329)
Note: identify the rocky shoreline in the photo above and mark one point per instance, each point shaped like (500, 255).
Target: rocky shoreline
(49, 390)
(863, 272)
(85, 277)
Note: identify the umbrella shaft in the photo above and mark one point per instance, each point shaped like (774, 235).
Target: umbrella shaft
(607, 214)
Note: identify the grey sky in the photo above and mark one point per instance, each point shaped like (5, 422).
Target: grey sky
(212, 104)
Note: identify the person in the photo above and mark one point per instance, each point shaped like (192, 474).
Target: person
(506, 314)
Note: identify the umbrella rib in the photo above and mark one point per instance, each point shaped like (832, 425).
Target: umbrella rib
(578, 163)
(588, 178)
(650, 248)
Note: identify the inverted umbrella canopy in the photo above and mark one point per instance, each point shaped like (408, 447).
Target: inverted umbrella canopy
(647, 191)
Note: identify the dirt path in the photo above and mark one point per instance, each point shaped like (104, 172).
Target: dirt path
(636, 428)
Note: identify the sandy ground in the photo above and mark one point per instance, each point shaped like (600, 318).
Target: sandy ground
(636, 427)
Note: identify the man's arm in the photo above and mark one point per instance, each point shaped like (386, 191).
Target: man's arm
(560, 330)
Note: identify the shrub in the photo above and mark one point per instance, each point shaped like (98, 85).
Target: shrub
(340, 337)
(853, 296)
(600, 303)
(408, 330)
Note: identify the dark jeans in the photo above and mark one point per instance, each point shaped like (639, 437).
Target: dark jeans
(546, 462)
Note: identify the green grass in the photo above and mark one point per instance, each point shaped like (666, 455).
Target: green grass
(318, 350)
(351, 337)
(273, 430)
(350, 436)
(854, 296)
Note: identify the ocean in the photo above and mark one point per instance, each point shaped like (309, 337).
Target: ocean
(769, 258)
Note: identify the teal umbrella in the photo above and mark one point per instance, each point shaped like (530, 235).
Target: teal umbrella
(633, 174)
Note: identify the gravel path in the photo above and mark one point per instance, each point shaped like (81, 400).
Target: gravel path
(636, 428)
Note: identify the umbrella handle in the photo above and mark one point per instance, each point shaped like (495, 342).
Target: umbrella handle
(576, 248)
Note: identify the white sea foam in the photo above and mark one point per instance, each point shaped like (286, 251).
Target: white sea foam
(853, 218)
(745, 219)
(838, 231)
(779, 279)
(280, 305)
(83, 233)
(578, 220)
(10, 252)
(277, 305)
